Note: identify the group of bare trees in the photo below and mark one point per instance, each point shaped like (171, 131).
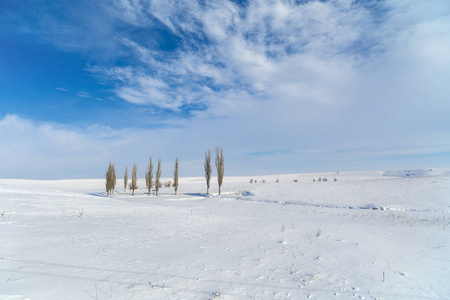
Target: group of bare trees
(149, 180)
(155, 182)
(220, 167)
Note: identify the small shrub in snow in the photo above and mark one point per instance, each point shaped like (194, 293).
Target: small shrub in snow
(4, 218)
(324, 179)
(314, 180)
(295, 180)
(277, 180)
(167, 183)
(335, 179)
(263, 181)
(251, 180)
(320, 179)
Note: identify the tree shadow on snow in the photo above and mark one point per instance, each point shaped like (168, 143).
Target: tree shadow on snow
(101, 194)
(198, 195)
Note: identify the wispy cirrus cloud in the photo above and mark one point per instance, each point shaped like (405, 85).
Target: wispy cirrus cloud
(309, 51)
(173, 53)
(272, 50)
(83, 94)
(61, 89)
(313, 63)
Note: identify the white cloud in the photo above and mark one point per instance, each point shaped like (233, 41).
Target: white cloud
(48, 150)
(336, 79)
(311, 51)
(277, 49)
(314, 64)
(83, 95)
(31, 147)
(129, 11)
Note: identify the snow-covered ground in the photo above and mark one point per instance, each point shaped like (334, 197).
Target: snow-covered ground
(368, 235)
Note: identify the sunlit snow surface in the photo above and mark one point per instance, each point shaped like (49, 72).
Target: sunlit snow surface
(368, 235)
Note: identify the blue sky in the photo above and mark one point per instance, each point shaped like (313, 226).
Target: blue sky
(282, 86)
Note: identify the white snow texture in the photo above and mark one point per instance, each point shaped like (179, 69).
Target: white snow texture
(365, 235)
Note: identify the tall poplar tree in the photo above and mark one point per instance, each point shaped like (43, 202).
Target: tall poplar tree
(220, 166)
(175, 176)
(158, 177)
(149, 176)
(133, 184)
(208, 170)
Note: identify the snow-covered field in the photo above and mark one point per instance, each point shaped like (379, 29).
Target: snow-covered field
(368, 235)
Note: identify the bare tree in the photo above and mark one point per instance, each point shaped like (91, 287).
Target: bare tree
(110, 179)
(149, 176)
(114, 178)
(158, 176)
(133, 184)
(208, 169)
(175, 176)
(125, 179)
(220, 166)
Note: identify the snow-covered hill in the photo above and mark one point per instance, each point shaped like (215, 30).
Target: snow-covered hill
(367, 235)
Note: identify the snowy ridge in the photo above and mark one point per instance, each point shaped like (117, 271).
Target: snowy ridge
(416, 173)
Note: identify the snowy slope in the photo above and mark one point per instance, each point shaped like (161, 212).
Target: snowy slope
(364, 236)
(416, 173)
